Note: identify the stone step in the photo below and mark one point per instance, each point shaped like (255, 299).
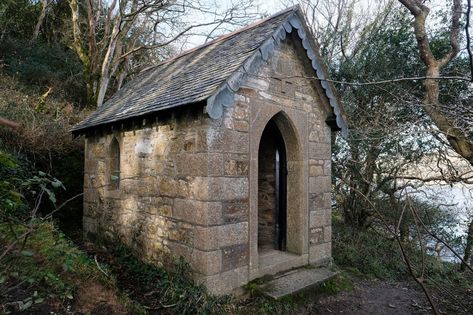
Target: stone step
(296, 280)
(274, 261)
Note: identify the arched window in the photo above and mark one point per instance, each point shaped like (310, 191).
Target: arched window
(114, 164)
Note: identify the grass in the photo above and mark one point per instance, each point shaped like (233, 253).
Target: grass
(368, 254)
(49, 268)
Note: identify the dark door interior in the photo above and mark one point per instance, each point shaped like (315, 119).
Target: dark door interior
(272, 174)
(280, 211)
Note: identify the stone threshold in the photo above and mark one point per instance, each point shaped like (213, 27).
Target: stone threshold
(296, 280)
(273, 261)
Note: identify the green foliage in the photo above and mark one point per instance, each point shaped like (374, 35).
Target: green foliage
(389, 130)
(371, 253)
(43, 142)
(43, 182)
(260, 304)
(11, 199)
(337, 284)
(48, 261)
(50, 268)
(41, 65)
(367, 252)
(383, 118)
(256, 288)
(18, 17)
(20, 191)
(175, 286)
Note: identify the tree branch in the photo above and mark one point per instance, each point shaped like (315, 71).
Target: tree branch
(173, 39)
(468, 39)
(8, 123)
(454, 34)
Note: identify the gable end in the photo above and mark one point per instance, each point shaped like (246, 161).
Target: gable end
(224, 96)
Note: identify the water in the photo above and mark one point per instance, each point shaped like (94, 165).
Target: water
(457, 200)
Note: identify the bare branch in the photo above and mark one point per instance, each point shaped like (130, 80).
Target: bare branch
(169, 41)
(361, 83)
(454, 34)
(468, 39)
(9, 123)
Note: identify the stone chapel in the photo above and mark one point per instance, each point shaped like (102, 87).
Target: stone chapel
(221, 155)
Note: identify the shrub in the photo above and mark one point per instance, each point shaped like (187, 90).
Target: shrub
(41, 65)
(43, 141)
(11, 177)
(46, 271)
(367, 252)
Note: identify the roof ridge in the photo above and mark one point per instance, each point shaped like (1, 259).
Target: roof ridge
(224, 37)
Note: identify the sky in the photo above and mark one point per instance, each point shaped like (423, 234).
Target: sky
(267, 7)
(264, 7)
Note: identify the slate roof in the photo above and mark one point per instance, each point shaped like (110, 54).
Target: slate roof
(209, 72)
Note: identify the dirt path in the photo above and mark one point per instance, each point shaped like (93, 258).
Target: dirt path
(373, 297)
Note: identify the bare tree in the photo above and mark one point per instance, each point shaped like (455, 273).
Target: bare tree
(44, 7)
(342, 26)
(468, 247)
(457, 138)
(110, 36)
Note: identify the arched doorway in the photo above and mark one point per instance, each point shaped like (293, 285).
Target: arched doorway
(272, 190)
(278, 236)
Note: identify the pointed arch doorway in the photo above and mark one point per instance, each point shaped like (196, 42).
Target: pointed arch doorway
(278, 197)
(272, 190)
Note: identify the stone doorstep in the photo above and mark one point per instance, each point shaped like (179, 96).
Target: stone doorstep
(272, 262)
(296, 280)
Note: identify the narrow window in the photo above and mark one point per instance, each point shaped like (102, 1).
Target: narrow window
(114, 164)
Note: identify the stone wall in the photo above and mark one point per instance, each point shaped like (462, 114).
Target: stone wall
(189, 184)
(282, 92)
(164, 194)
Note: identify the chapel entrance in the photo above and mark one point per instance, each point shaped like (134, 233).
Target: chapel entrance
(272, 192)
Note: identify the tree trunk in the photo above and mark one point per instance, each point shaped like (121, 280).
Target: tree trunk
(469, 247)
(78, 47)
(44, 4)
(107, 64)
(404, 231)
(455, 136)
